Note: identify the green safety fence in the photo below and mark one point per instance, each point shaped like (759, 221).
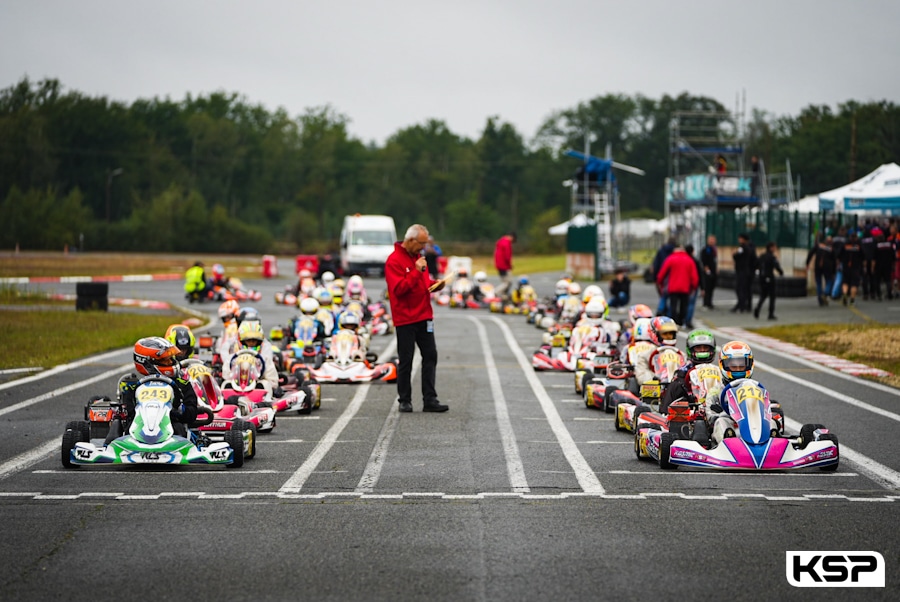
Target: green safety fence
(790, 229)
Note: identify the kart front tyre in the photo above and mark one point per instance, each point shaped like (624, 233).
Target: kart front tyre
(240, 426)
(665, 446)
(69, 439)
(807, 434)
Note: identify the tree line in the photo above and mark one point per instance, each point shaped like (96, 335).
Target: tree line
(217, 173)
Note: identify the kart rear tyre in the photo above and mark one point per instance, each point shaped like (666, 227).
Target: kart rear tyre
(236, 440)
(833, 439)
(665, 446)
(616, 422)
(637, 412)
(637, 445)
(701, 433)
(607, 404)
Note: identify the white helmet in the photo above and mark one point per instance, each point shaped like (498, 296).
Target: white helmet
(595, 311)
(327, 278)
(480, 276)
(309, 306)
(562, 287)
(591, 291)
(574, 288)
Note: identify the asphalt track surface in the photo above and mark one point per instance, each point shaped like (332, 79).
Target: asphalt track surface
(519, 492)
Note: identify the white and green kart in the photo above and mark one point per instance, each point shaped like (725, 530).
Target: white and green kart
(151, 439)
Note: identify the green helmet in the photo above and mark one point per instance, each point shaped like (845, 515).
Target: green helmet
(701, 346)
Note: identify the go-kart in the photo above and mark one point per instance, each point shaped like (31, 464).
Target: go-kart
(237, 414)
(380, 323)
(664, 362)
(246, 368)
(754, 443)
(151, 437)
(594, 368)
(235, 291)
(685, 417)
(345, 364)
(580, 346)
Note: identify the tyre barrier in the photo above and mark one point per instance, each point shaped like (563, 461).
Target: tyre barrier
(785, 286)
(92, 296)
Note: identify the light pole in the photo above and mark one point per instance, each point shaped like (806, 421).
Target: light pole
(110, 174)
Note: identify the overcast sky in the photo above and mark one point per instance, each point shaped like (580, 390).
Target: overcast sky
(390, 64)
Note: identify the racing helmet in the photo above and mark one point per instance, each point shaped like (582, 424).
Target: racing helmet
(304, 273)
(337, 291)
(307, 285)
(218, 271)
(663, 331)
(228, 310)
(248, 314)
(355, 287)
(591, 291)
(595, 311)
(309, 306)
(323, 296)
(480, 276)
(561, 288)
(523, 280)
(327, 278)
(156, 355)
(639, 311)
(641, 330)
(701, 346)
(462, 273)
(574, 289)
(349, 320)
(251, 335)
(182, 337)
(736, 360)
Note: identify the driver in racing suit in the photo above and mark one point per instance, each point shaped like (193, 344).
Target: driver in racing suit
(736, 362)
(701, 349)
(663, 331)
(251, 337)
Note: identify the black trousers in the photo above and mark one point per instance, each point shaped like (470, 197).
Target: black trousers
(408, 337)
(709, 285)
(767, 289)
(743, 285)
(678, 304)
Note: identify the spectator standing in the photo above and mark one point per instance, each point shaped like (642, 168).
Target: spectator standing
(744, 268)
(868, 246)
(851, 268)
(662, 308)
(768, 265)
(503, 262)
(709, 261)
(884, 264)
(692, 300)
(821, 256)
(620, 289)
(410, 295)
(680, 275)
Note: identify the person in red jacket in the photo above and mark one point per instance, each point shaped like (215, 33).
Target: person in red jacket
(679, 278)
(503, 262)
(409, 291)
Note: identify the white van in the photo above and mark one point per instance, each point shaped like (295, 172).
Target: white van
(366, 242)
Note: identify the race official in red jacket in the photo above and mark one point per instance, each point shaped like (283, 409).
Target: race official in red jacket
(408, 282)
(679, 278)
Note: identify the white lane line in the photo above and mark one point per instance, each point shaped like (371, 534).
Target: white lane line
(282, 417)
(514, 467)
(586, 477)
(302, 474)
(881, 474)
(20, 370)
(372, 473)
(57, 392)
(826, 391)
(62, 368)
(30, 458)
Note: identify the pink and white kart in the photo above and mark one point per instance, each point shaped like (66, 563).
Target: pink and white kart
(380, 323)
(246, 367)
(595, 367)
(664, 362)
(754, 444)
(238, 416)
(345, 363)
(582, 345)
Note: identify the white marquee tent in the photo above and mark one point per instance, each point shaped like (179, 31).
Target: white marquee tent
(878, 192)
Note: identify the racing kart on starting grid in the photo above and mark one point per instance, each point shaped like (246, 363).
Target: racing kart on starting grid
(664, 362)
(344, 364)
(246, 368)
(151, 438)
(754, 444)
(581, 345)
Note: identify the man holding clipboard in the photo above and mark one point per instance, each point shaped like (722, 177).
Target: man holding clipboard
(409, 289)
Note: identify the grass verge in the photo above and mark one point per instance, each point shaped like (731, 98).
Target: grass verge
(50, 264)
(50, 338)
(875, 345)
